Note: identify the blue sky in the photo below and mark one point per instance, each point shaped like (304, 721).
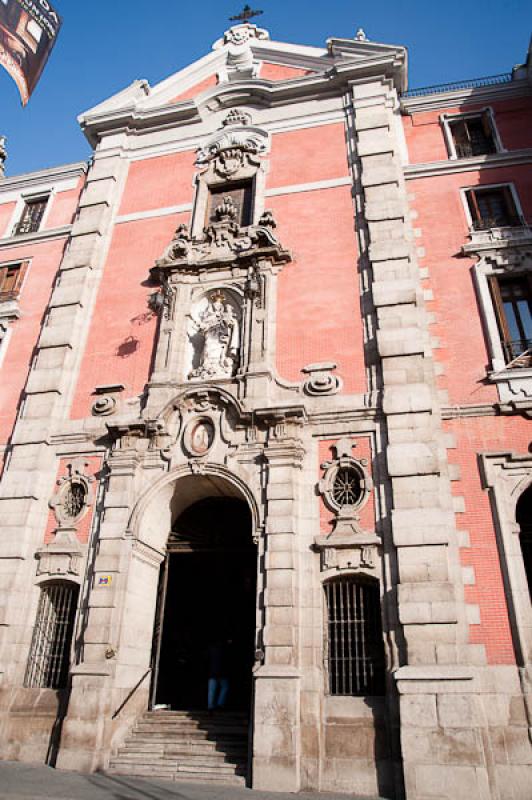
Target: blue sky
(106, 44)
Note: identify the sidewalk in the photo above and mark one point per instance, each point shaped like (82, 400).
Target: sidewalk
(27, 782)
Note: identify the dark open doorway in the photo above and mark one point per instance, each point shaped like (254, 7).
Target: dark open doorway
(207, 594)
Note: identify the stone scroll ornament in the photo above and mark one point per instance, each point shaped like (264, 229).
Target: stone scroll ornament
(75, 495)
(345, 488)
(215, 336)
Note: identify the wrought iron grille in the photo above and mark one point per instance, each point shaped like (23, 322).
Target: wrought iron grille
(474, 83)
(32, 215)
(355, 651)
(346, 487)
(52, 637)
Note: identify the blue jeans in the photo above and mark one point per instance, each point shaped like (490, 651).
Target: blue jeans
(217, 693)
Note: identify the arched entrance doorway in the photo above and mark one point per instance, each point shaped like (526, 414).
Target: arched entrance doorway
(206, 599)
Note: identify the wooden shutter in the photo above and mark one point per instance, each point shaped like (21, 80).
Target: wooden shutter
(11, 277)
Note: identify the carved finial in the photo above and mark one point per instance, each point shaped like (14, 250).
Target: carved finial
(246, 14)
(360, 36)
(344, 448)
(237, 117)
(267, 220)
(3, 155)
(226, 210)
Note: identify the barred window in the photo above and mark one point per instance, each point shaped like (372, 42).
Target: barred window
(355, 649)
(32, 215)
(49, 657)
(473, 135)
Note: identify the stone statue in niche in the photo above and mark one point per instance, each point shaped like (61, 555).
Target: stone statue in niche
(215, 337)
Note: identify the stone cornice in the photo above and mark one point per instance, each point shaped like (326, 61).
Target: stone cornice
(266, 93)
(51, 176)
(452, 166)
(35, 238)
(460, 97)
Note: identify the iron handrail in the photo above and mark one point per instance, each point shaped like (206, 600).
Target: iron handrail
(473, 83)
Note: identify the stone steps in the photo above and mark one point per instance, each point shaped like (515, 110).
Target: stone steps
(187, 746)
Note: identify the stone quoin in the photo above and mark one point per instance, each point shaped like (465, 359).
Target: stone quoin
(266, 370)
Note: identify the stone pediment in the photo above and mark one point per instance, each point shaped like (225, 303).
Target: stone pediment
(223, 241)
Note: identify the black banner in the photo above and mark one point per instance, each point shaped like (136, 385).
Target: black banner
(28, 30)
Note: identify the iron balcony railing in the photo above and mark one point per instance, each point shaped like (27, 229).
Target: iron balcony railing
(473, 83)
(506, 221)
(518, 353)
(468, 150)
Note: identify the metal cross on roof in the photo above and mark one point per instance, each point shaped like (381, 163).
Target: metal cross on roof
(246, 14)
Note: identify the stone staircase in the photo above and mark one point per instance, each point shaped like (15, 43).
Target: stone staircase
(186, 746)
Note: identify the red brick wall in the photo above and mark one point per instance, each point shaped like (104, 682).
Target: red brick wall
(318, 312)
(312, 154)
(474, 436)
(64, 207)
(158, 183)
(83, 527)
(424, 132)
(280, 72)
(122, 334)
(442, 221)
(6, 211)
(188, 94)
(34, 297)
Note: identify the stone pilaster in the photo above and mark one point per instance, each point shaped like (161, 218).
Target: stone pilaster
(276, 745)
(31, 466)
(429, 592)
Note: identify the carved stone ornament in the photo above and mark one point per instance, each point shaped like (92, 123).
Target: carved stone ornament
(214, 334)
(345, 488)
(199, 436)
(104, 406)
(74, 496)
(348, 556)
(62, 557)
(234, 146)
(237, 117)
(222, 241)
(239, 61)
(320, 381)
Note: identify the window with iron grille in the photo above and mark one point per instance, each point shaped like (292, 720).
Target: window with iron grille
(11, 277)
(49, 658)
(512, 301)
(492, 207)
(32, 214)
(241, 198)
(472, 135)
(355, 649)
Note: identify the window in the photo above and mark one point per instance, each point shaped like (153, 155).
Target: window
(471, 135)
(11, 277)
(32, 215)
(492, 207)
(355, 650)
(512, 301)
(49, 658)
(234, 198)
(523, 516)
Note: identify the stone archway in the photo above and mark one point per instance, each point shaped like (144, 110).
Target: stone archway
(206, 605)
(200, 531)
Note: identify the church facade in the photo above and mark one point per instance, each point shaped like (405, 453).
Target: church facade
(266, 381)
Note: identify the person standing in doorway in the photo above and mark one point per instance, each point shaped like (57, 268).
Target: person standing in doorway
(219, 668)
